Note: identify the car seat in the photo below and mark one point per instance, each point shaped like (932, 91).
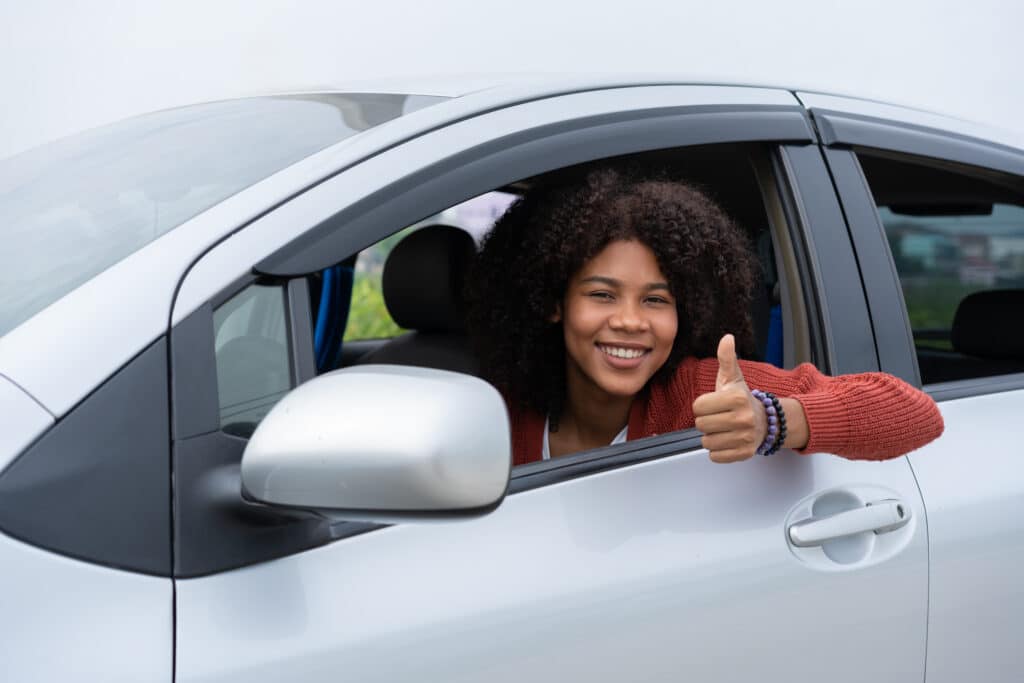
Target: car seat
(422, 287)
(987, 337)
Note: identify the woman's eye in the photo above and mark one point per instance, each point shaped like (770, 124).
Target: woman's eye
(656, 300)
(601, 295)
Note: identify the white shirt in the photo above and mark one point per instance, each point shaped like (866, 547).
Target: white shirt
(546, 451)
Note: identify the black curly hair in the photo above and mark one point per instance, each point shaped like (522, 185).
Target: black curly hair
(521, 274)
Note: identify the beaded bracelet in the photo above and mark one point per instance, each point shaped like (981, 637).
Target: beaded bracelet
(776, 435)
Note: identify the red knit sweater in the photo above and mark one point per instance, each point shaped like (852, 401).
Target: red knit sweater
(869, 416)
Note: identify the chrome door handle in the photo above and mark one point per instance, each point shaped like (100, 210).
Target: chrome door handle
(880, 516)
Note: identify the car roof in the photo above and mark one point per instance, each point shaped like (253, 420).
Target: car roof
(550, 85)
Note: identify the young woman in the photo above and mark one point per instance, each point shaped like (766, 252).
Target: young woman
(612, 308)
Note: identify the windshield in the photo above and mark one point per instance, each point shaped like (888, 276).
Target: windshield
(73, 208)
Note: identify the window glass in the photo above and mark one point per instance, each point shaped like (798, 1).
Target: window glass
(73, 208)
(251, 347)
(958, 245)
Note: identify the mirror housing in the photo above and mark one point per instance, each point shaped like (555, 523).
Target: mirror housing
(383, 443)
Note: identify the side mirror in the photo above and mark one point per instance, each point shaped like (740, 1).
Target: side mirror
(383, 443)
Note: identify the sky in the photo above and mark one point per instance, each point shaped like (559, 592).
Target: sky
(70, 65)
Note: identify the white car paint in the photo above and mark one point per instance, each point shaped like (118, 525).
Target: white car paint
(973, 482)
(66, 620)
(678, 564)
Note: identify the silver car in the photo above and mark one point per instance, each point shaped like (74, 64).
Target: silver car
(208, 474)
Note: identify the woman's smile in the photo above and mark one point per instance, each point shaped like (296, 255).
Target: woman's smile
(624, 356)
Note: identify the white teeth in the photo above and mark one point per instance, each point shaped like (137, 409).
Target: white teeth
(620, 352)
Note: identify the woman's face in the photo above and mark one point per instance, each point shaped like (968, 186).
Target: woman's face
(619, 320)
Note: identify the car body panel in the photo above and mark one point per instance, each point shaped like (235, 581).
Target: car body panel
(70, 620)
(675, 569)
(971, 477)
(973, 485)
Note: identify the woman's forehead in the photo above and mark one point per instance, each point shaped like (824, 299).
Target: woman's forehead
(627, 261)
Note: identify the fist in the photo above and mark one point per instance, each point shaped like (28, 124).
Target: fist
(732, 420)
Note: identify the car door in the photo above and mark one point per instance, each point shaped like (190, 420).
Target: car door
(937, 216)
(642, 561)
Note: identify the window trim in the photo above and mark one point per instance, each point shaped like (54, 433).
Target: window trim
(836, 304)
(844, 129)
(499, 162)
(894, 341)
(975, 386)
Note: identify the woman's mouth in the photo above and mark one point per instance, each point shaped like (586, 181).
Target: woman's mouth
(623, 356)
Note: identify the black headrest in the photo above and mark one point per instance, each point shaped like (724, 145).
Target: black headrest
(990, 324)
(423, 277)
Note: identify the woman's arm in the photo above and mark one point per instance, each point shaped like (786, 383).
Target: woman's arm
(867, 416)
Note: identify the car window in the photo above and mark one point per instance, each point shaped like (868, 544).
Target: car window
(725, 171)
(957, 241)
(251, 350)
(73, 208)
(369, 317)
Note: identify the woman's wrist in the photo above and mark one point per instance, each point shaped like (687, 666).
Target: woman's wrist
(797, 431)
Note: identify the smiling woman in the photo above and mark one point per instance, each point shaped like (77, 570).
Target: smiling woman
(609, 304)
(619, 324)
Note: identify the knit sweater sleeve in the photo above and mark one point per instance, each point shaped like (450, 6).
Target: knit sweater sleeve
(866, 416)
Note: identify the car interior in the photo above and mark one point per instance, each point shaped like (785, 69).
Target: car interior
(424, 274)
(958, 246)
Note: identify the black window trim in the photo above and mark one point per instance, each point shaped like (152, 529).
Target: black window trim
(833, 276)
(844, 135)
(853, 130)
(893, 338)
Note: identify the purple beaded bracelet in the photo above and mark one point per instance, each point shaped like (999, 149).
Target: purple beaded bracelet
(776, 435)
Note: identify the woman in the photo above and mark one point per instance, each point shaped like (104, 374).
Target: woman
(611, 308)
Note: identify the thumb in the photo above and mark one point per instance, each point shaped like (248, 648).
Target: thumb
(728, 365)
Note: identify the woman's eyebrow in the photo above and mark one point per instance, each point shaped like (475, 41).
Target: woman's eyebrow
(612, 282)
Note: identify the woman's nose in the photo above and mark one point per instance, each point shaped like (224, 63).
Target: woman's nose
(628, 319)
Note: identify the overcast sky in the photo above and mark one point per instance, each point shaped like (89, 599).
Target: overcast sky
(69, 65)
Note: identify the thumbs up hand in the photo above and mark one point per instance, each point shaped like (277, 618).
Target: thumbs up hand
(732, 420)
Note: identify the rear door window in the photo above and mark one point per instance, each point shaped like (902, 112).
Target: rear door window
(957, 241)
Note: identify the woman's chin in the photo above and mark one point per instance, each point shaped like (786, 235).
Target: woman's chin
(623, 389)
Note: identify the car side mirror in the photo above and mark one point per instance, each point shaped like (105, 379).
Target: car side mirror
(383, 443)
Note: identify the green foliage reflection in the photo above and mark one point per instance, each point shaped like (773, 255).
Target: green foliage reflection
(369, 317)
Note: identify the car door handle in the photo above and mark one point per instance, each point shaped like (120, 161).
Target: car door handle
(880, 517)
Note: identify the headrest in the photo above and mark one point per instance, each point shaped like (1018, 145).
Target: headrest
(423, 277)
(990, 324)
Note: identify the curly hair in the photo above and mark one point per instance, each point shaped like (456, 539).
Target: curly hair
(525, 264)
